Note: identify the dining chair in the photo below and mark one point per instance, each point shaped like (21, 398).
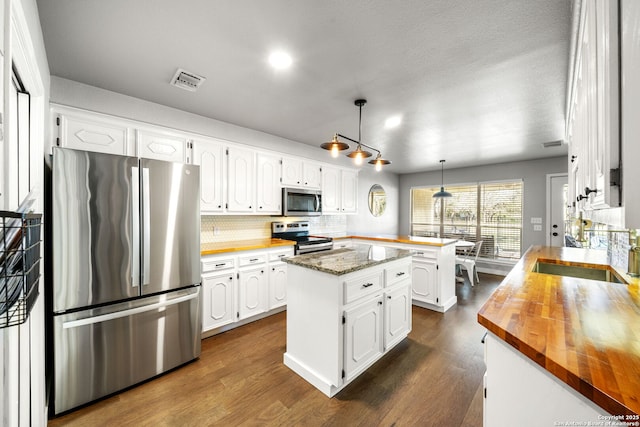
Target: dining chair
(468, 261)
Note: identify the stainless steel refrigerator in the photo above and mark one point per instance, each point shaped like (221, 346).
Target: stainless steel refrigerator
(126, 272)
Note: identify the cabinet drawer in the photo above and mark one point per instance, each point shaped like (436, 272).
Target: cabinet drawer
(362, 286)
(278, 255)
(426, 253)
(217, 264)
(396, 274)
(244, 261)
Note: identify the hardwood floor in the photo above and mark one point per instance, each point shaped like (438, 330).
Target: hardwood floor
(433, 378)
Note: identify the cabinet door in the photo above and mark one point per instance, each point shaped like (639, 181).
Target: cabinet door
(331, 186)
(277, 285)
(94, 133)
(268, 193)
(363, 336)
(252, 292)
(424, 276)
(160, 145)
(240, 176)
(291, 172)
(349, 191)
(311, 175)
(218, 300)
(209, 154)
(397, 315)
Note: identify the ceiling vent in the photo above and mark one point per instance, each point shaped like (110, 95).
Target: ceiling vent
(550, 144)
(187, 80)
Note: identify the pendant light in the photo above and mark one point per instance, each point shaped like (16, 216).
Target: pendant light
(442, 193)
(359, 154)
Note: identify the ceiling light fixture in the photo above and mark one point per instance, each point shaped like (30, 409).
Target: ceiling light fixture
(359, 154)
(442, 193)
(280, 60)
(392, 122)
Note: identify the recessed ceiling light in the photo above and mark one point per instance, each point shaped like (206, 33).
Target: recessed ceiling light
(392, 122)
(280, 60)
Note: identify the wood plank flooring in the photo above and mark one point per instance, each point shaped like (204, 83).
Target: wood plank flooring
(433, 378)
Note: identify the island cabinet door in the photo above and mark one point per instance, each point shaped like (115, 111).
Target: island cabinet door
(397, 315)
(424, 276)
(363, 336)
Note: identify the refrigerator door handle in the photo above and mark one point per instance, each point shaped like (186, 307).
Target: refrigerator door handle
(135, 226)
(146, 231)
(128, 312)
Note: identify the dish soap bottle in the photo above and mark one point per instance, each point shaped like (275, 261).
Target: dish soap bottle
(633, 268)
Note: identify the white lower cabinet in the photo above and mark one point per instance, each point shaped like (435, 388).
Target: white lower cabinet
(424, 272)
(242, 287)
(218, 299)
(517, 391)
(338, 326)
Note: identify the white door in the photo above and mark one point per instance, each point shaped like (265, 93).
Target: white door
(252, 292)
(218, 302)
(209, 156)
(424, 275)
(161, 145)
(349, 196)
(397, 315)
(277, 285)
(330, 190)
(268, 192)
(557, 209)
(94, 134)
(363, 336)
(240, 180)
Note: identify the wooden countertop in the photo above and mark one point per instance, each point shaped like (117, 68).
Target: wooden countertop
(584, 332)
(242, 245)
(404, 238)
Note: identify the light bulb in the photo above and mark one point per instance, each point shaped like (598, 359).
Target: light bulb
(358, 158)
(334, 150)
(378, 165)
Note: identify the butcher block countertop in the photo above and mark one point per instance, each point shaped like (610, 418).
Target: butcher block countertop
(242, 245)
(584, 332)
(404, 238)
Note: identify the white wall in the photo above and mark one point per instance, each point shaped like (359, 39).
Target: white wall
(532, 172)
(22, 355)
(364, 222)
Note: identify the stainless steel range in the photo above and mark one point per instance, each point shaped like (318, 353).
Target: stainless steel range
(299, 232)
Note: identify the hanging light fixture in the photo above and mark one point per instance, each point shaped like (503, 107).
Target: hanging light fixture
(359, 154)
(442, 193)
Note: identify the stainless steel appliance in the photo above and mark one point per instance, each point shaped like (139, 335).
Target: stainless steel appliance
(301, 202)
(126, 272)
(298, 231)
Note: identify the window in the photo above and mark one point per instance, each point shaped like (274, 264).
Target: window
(491, 212)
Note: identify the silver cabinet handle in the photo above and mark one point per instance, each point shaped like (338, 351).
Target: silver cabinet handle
(135, 226)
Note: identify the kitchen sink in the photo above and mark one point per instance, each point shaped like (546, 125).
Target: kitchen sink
(582, 272)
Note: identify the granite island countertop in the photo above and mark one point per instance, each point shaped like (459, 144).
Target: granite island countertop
(584, 332)
(348, 260)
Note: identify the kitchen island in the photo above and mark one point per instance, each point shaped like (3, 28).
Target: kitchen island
(346, 309)
(564, 344)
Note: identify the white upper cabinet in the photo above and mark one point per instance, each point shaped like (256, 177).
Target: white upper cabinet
(161, 145)
(339, 191)
(297, 172)
(209, 155)
(268, 192)
(594, 117)
(241, 180)
(94, 132)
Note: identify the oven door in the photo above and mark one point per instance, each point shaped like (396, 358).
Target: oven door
(301, 202)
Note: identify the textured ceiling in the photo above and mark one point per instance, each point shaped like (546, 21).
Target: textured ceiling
(476, 81)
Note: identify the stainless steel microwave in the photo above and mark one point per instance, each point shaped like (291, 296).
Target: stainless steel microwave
(301, 202)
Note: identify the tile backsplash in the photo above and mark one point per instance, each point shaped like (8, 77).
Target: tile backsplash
(223, 228)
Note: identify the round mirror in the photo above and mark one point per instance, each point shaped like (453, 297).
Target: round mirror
(377, 200)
